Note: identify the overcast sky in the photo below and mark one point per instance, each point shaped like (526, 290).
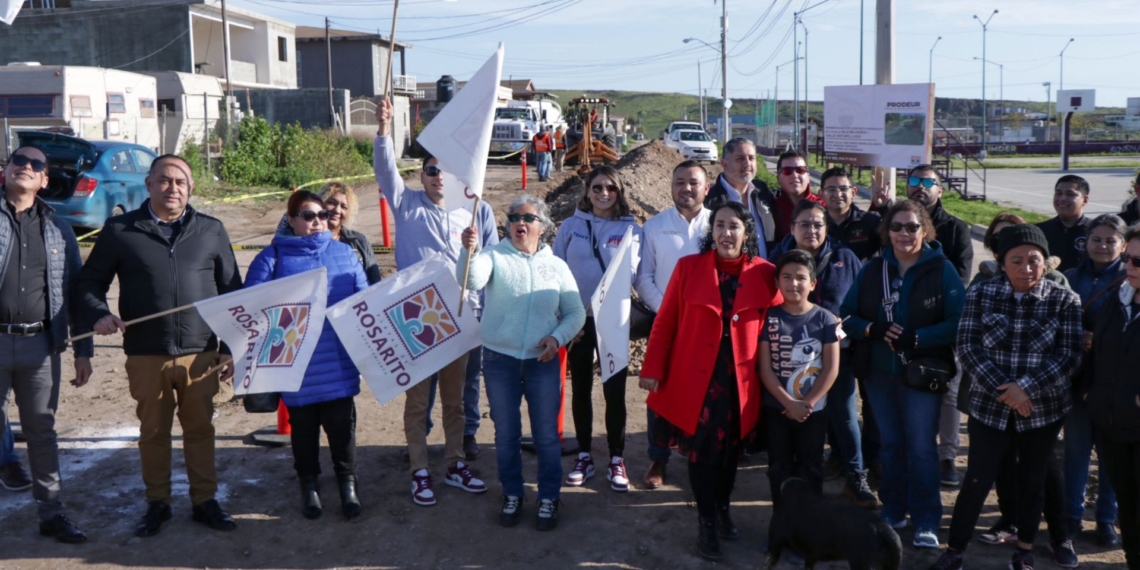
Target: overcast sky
(637, 44)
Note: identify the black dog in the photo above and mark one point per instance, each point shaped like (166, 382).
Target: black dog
(822, 531)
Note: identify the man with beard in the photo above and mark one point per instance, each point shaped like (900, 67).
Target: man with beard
(924, 185)
(1068, 231)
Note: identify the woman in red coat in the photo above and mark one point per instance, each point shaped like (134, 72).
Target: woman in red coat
(701, 362)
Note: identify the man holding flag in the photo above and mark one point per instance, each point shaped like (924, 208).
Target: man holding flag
(166, 256)
(424, 225)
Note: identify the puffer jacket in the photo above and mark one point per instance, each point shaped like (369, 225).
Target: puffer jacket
(331, 375)
(63, 264)
(834, 278)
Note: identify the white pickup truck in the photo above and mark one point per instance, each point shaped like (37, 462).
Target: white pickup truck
(517, 122)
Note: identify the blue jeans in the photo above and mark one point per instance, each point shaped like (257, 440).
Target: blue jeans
(508, 380)
(471, 391)
(8, 445)
(842, 418)
(543, 164)
(908, 430)
(656, 452)
(1078, 449)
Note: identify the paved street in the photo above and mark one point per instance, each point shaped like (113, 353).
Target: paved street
(1032, 189)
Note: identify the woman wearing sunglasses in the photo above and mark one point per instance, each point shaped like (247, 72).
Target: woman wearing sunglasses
(1113, 394)
(587, 242)
(331, 381)
(903, 306)
(342, 204)
(531, 309)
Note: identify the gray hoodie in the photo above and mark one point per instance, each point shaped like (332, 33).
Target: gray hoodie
(574, 244)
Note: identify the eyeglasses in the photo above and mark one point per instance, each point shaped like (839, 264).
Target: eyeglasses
(790, 170)
(22, 161)
(837, 189)
(1134, 261)
(599, 188)
(432, 171)
(916, 181)
(911, 228)
(811, 225)
(309, 215)
(528, 218)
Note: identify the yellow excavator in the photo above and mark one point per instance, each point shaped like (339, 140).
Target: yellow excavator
(590, 139)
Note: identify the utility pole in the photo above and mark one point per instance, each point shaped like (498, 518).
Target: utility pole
(807, 94)
(328, 53)
(1048, 85)
(700, 95)
(885, 69)
(860, 42)
(1062, 85)
(229, 84)
(726, 130)
(985, 27)
(931, 78)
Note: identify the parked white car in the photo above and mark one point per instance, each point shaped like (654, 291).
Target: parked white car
(693, 145)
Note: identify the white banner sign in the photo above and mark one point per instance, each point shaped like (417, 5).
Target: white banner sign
(405, 328)
(878, 125)
(271, 328)
(611, 305)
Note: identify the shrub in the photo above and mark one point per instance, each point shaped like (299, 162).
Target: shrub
(281, 156)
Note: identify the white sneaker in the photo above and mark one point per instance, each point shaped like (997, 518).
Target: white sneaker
(460, 476)
(422, 493)
(583, 470)
(619, 481)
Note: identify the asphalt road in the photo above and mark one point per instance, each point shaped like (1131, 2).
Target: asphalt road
(1032, 189)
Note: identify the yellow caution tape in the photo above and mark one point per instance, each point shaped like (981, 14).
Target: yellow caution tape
(258, 247)
(505, 156)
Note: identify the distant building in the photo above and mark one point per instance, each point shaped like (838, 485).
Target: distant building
(142, 36)
(358, 62)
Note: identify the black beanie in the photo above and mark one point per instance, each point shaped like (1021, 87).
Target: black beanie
(1021, 234)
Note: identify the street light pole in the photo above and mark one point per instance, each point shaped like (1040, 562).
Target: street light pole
(796, 19)
(1001, 88)
(1062, 86)
(985, 27)
(778, 92)
(700, 95)
(1048, 110)
(723, 80)
(931, 79)
(807, 94)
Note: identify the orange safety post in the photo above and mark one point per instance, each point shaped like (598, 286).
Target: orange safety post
(386, 237)
(562, 354)
(283, 427)
(524, 169)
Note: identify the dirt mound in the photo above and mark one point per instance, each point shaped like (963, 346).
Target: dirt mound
(646, 172)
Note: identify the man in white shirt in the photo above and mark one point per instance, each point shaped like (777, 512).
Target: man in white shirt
(666, 238)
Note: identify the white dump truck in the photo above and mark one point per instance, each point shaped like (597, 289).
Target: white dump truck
(518, 121)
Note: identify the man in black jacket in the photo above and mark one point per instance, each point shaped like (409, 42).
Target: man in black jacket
(1067, 232)
(856, 229)
(166, 256)
(924, 185)
(738, 183)
(39, 261)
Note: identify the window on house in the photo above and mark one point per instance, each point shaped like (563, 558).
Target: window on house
(282, 49)
(146, 108)
(27, 106)
(81, 106)
(116, 103)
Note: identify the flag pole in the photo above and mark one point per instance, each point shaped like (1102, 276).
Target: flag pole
(137, 321)
(467, 266)
(387, 94)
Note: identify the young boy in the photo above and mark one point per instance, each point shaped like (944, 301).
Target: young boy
(799, 361)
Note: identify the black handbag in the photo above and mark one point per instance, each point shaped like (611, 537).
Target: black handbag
(926, 373)
(264, 403)
(641, 317)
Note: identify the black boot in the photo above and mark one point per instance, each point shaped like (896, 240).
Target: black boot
(310, 497)
(349, 504)
(708, 545)
(725, 528)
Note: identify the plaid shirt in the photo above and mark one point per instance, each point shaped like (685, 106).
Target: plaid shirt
(1034, 342)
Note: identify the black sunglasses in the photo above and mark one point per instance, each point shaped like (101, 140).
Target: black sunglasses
(1130, 260)
(309, 215)
(528, 218)
(790, 170)
(432, 171)
(910, 228)
(22, 161)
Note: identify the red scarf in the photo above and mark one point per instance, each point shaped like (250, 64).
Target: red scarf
(730, 266)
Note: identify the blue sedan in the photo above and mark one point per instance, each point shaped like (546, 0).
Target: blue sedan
(90, 181)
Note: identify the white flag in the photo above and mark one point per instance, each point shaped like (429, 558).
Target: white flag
(9, 9)
(460, 135)
(405, 328)
(271, 328)
(611, 305)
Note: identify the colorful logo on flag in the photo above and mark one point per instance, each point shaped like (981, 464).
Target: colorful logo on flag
(287, 327)
(422, 320)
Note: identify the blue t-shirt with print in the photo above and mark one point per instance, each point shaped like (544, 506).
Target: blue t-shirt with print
(796, 343)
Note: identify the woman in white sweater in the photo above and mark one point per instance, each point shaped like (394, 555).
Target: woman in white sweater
(531, 309)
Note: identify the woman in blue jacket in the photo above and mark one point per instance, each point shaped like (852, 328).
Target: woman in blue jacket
(923, 296)
(326, 394)
(836, 270)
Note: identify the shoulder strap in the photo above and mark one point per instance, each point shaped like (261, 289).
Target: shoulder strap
(823, 261)
(594, 245)
(1106, 289)
(888, 300)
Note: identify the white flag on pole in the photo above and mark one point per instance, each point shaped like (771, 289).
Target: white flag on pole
(406, 327)
(460, 135)
(9, 9)
(271, 328)
(611, 305)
